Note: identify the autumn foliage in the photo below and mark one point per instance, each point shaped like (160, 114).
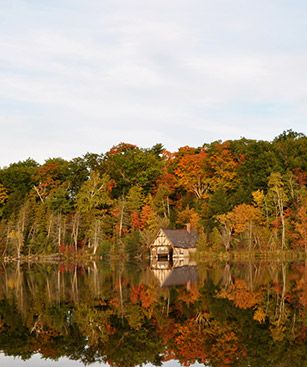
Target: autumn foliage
(240, 195)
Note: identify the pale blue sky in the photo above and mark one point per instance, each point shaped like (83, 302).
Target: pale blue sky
(83, 75)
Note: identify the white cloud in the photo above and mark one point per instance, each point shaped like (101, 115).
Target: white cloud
(84, 75)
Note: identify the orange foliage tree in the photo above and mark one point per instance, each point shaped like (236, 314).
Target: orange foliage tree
(191, 173)
(221, 167)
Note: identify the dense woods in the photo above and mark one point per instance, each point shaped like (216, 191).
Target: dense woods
(239, 194)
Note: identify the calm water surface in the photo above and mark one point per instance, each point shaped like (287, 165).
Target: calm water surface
(218, 314)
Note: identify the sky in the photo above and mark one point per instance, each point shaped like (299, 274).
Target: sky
(80, 76)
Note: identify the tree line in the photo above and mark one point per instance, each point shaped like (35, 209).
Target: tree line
(239, 194)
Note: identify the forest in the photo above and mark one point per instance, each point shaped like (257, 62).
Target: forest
(239, 194)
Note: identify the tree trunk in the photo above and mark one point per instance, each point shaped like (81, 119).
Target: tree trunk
(96, 236)
(75, 230)
(59, 230)
(121, 220)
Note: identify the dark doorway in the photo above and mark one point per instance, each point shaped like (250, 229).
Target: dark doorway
(166, 257)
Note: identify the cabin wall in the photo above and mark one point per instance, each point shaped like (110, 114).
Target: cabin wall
(161, 246)
(180, 252)
(161, 240)
(183, 261)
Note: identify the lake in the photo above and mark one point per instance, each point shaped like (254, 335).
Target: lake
(117, 314)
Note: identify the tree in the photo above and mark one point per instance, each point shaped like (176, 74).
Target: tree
(257, 160)
(130, 166)
(17, 178)
(300, 223)
(3, 198)
(221, 166)
(191, 173)
(93, 202)
(52, 174)
(278, 198)
(240, 220)
(189, 216)
(291, 150)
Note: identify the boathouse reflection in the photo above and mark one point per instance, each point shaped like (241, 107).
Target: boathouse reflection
(174, 272)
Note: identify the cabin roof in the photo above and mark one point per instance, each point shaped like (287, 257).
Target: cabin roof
(181, 237)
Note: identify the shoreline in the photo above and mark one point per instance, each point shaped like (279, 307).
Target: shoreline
(199, 257)
(234, 256)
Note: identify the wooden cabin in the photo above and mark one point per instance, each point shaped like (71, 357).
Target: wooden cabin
(172, 244)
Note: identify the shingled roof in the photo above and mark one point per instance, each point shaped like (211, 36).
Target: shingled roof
(181, 237)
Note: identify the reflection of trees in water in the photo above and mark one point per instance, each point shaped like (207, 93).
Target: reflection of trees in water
(119, 314)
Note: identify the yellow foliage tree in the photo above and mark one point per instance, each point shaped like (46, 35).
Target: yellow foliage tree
(240, 220)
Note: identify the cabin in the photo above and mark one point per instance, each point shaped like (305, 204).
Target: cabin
(173, 244)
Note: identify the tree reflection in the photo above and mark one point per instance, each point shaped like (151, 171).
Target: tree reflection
(222, 315)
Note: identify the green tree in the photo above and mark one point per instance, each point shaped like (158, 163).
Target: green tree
(130, 166)
(3, 198)
(290, 148)
(93, 202)
(17, 178)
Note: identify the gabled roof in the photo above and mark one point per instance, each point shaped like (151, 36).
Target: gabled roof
(181, 237)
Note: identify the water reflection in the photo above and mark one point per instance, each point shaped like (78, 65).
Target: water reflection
(220, 314)
(179, 272)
